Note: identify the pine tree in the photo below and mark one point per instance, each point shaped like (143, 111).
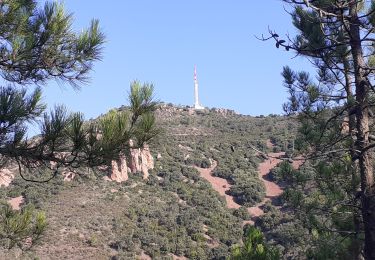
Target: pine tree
(336, 112)
(37, 45)
(254, 247)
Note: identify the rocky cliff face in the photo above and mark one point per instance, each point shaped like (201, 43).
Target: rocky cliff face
(119, 169)
(134, 163)
(147, 161)
(139, 160)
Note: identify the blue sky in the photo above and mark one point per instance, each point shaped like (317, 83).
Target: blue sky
(161, 41)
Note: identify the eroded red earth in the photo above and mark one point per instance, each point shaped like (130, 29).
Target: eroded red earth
(273, 190)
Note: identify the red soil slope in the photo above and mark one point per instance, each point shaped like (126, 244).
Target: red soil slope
(272, 189)
(219, 184)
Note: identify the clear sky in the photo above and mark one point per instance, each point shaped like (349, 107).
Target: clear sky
(161, 41)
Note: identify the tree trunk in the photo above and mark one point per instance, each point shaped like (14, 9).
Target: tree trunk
(356, 247)
(362, 114)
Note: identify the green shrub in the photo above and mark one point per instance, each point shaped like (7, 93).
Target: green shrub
(242, 213)
(254, 247)
(205, 163)
(248, 193)
(17, 226)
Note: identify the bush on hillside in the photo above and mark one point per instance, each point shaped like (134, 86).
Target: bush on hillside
(18, 226)
(248, 194)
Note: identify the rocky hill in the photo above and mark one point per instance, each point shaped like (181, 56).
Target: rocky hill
(187, 195)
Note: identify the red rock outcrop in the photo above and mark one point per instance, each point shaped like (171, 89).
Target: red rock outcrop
(68, 175)
(16, 202)
(6, 177)
(147, 161)
(119, 169)
(134, 163)
(139, 160)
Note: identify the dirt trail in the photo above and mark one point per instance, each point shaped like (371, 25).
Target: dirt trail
(272, 189)
(219, 184)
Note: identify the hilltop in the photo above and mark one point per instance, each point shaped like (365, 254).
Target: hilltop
(174, 213)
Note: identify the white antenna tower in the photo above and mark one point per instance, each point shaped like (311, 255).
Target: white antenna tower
(197, 105)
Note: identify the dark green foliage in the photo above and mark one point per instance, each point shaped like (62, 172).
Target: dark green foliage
(283, 231)
(242, 213)
(66, 140)
(38, 44)
(228, 140)
(248, 194)
(205, 163)
(284, 173)
(335, 195)
(174, 212)
(302, 226)
(199, 207)
(254, 247)
(271, 218)
(190, 173)
(176, 216)
(17, 226)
